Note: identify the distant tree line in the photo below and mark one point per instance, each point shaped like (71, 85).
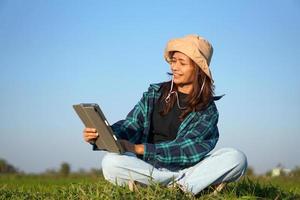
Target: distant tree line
(295, 172)
(6, 168)
(292, 173)
(65, 170)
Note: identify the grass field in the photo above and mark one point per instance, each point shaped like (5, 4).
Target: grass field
(87, 187)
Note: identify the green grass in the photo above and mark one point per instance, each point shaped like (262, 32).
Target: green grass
(80, 187)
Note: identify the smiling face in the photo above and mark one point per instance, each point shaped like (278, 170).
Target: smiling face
(183, 69)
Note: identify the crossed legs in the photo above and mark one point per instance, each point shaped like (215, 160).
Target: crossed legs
(224, 165)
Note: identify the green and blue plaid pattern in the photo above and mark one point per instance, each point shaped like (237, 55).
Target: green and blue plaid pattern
(196, 137)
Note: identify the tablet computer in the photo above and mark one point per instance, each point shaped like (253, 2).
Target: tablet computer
(92, 117)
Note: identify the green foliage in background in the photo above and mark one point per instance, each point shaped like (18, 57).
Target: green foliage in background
(5, 167)
(65, 169)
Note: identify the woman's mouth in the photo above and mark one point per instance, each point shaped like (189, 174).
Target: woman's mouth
(176, 75)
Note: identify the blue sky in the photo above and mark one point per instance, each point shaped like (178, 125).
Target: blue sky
(54, 54)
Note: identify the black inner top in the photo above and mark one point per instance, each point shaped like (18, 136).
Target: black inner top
(165, 128)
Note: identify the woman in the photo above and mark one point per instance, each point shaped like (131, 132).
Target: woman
(172, 129)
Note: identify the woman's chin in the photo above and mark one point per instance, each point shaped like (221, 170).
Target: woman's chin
(181, 83)
(177, 81)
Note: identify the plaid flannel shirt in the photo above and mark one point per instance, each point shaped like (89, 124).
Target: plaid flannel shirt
(196, 137)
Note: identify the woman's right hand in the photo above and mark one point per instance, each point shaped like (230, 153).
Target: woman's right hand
(90, 134)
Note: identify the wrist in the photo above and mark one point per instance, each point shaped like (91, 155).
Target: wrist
(139, 149)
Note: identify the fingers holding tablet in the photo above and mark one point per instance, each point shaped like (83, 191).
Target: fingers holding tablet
(90, 134)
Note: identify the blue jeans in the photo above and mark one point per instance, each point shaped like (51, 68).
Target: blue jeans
(224, 165)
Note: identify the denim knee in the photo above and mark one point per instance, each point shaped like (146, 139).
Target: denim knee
(241, 158)
(111, 162)
(236, 164)
(236, 156)
(238, 159)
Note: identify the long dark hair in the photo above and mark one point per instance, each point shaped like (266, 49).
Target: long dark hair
(195, 100)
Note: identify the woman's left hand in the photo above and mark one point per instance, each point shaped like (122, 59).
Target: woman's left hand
(134, 148)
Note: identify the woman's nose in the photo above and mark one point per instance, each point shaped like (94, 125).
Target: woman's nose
(174, 66)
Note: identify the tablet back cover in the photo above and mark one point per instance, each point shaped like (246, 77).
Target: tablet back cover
(92, 117)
